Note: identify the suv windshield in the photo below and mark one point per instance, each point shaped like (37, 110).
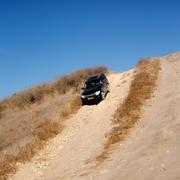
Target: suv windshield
(92, 83)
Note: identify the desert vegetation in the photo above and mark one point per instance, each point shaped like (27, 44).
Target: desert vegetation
(129, 112)
(61, 85)
(30, 118)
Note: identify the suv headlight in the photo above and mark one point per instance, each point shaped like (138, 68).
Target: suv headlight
(83, 96)
(97, 93)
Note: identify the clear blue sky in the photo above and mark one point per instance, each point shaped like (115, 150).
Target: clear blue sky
(41, 39)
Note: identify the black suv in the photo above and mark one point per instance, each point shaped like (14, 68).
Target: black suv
(95, 89)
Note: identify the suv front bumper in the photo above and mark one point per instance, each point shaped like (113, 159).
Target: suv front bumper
(91, 98)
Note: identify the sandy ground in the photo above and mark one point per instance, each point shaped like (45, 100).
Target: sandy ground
(151, 151)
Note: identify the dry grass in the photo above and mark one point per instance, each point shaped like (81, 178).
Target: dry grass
(1, 109)
(45, 131)
(66, 82)
(71, 108)
(30, 118)
(61, 85)
(9, 164)
(128, 113)
(6, 168)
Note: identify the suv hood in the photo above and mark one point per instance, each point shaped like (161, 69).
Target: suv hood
(91, 90)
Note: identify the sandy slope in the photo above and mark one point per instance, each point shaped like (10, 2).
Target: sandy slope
(151, 151)
(66, 156)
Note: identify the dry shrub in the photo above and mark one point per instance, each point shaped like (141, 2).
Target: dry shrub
(71, 108)
(61, 85)
(74, 80)
(128, 113)
(48, 130)
(9, 164)
(6, 168)
(1, 109)
(75, 104)
(27, 97)
(45, 131)
(27, 152)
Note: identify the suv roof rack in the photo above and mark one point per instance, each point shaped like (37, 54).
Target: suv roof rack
(97, 76)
